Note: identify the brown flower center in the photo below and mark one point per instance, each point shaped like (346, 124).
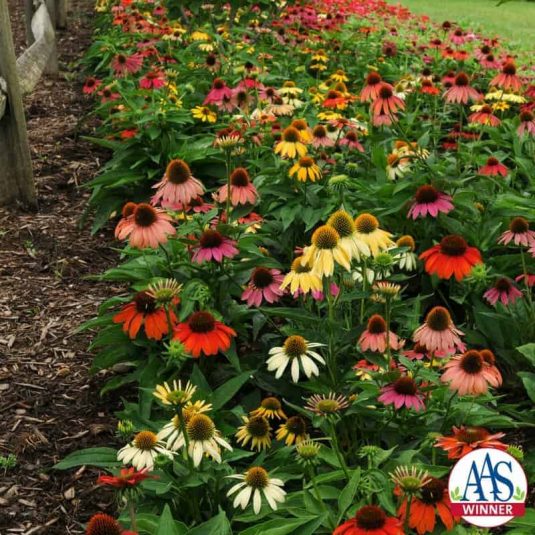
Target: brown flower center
(145, 215)
(470, 435)
(145, 303)
(366, 223)
(271, 404)
(299, 124)
(438, 319)
(200, 428)
(461, 80)
(405, 386)
(370, 517)
(385, 92)
(128, 209)
(297, 267)
(519, 225)
(201, 322)
(492, 161)
(262, 277)
(406, 241)
(472, 362)
(526, 116)
(296, 425)
(376, 324)
(426, 194)
(121, 59)
(325, 237)
(291, 135)
(103, 524)
(432, 492)
(258, 426)
(218, 84)
(319, 131)
(352, 136)
(488, 356)
(509, 68)
(306, 162)
(146, 440)
(240, 177)
(257, 477)
(453, 245)
(210, 239)
(178, 172)
(342, 222)
(373, 78)
(295, 346)
(211, 60)
(503, 285)
(486, 109)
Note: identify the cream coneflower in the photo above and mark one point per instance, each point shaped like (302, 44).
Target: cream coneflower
(468, 374)
(301, 278)
(410, 480)
(438, 333)
(178, 186)
(256, 430)
(165, 291)
(324, 251)
(407, 260)
(270, 408)
(297, 352)
(305, 169)
(328, 405)
(368, 231)
(142, 451)
(290, 145)
(256, 483)
(175, 394)
(292, 431)
(343, 223)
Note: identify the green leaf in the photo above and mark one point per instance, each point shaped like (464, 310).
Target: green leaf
(226, 391)
(167, 526)
(103, 457)
(528, 379)
(528, 350)
(218, 525)
(284, 526)
(348, 493)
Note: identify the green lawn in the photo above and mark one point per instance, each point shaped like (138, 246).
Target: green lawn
(514, 20)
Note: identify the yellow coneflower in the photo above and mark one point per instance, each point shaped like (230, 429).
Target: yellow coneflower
(293, 431)
(324, 251)
(320, 55)
(256, 430)
(304, 130)
(367, 227)
(306, 169)
(205, 114)
(320, 67)
(290, 90)
(339, 76)
(199, 36)
(329, 115)
(290, 145)
(270, 408)
(301, 278)
(343, 223)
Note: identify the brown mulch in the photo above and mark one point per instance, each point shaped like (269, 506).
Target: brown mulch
(49, 404)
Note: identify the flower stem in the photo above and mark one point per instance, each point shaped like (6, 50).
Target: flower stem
(337, 451)
(407, 514)
(132, 514)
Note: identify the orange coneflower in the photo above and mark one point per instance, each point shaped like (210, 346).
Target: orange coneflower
(103, 524)
(242, 190)
(202, 333)
(371, 89)
(438, 333)
(452, 256)
(493, 167)
(461, 91)
(144, 310)
(370, 520)
(466, 439)
(507, 79)
(386, 102)
(484, 116)
(469, 374)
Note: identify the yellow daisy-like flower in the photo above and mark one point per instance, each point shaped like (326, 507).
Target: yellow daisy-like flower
(301, 278)
(290, 90)
(206, 47)
(324, 251)
(304, 130)
(329, 115)
(290, 145)
(317, 96)
(199, 36)
(318, 67)
(270, 408)
(343, 223)
(320, 55)
(500, 106)
(339, 76)
(205, 114)
(293, 431)
(306, 169)
(256, 430)
(367, 227)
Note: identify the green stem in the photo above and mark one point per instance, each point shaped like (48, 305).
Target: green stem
(337, 451)
(387, 318)
(407, 514)
(132, 514)
(227, 164)
(364, 289)
(186, 438)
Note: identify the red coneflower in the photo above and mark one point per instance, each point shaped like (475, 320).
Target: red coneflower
(202, 333)
(493, 167)
(468, 374)
(461, 91)
(152, 80)
(386, 102)
(127, 478)
(214, 246)
(91, 85)
(504, 291)
(242, 190)
(519, 233)
(370, 520)
(143, 310)
(428, 88)
(438, 333)
(467, 439)
(527, 124)
(371, 89)
(374, 337)
(507, 79)
(123, 65)
(489, 62)
(145, 227)
(103, 524)
(452, 256)
(177, 187)
(484, 116)
(218, 93)
(107, 94)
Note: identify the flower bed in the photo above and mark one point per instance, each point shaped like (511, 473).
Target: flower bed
(326, 215)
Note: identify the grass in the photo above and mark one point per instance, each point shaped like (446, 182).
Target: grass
(514, 21)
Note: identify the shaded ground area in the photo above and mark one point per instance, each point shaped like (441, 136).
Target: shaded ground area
(48, 404)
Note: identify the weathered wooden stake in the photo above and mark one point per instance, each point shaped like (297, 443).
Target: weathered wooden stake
(28, 14)
(16, 176)
(61, 13)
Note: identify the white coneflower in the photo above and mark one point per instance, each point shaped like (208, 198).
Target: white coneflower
(142, 451)
(297, 351)
(407, 260)
(174, 394)
(254, 483)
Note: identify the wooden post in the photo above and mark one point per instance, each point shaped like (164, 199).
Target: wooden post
(16, 176)
(61, 13)
(28, 15)
(52, 64)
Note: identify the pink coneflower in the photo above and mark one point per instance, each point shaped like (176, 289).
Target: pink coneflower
(264, 284)
(461, 91)
(438, 333)
(214, 246)
(507, 79)
(242, 190)
(403, 392)
(383, 119)
(371, 89)
(241, 98)
(177, 187)
(428, 200)
(468, 374)
(527, 124)
(418, 352)
(489, 62)
(518, 233)
(493, 167)
(458, 37)
(152, 80)
(218, 93)
(108, 95)
(91, 85)
(527, 278)
(318, 295)
(351, 140)
(503, 291)
(146, 226)
(482, 51)
(123, 65)
(490, 360)
(268, 93)
(484, 116)
(320, 137)
(197, 205)
(374, 337)
(386, 102)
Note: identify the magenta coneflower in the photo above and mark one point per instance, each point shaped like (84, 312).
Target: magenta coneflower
(219, 92)
(178, 186)
(107, 94)
(371, 89)
(428, 200)
(493, 167)
(386, 102)
(484, 116)
(242, 190)
(461, 91)
(351, 140)
(123, 65)
(518, 233)
(489, 62)
(527, 124)
(264, 284)
(527, 278)
(438, 333)
(457, 37)
(507, 79)
(382, 119)
(504, 291)
(152, 80)
(374, 337)
(403, 392)
(320, 138)
(214, 246)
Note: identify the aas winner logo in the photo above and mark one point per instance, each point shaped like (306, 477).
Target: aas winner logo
(488, 487)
